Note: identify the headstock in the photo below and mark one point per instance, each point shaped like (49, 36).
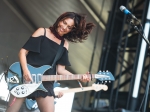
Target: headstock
(98, 87)
(104, 76)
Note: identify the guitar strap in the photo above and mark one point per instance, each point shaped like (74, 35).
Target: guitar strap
(59, 53)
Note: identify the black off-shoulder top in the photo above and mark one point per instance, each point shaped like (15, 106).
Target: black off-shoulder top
(42, 51)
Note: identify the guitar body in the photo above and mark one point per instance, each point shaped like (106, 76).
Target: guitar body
(15, 76)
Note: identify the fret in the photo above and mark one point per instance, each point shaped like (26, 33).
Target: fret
(93, 76)
(55, 78)
(78, 76)
(75, 76)
(60, 77)
(69, 77)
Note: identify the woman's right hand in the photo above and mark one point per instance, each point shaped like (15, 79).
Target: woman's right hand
(27, 76)
(60, 94)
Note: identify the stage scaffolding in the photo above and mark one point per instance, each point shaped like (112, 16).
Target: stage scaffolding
(121, 54)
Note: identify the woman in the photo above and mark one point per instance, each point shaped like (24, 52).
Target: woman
(41, 49)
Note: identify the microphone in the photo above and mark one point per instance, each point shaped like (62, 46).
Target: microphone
(127, 12)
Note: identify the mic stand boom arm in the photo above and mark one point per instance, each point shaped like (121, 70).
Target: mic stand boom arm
(136, 28)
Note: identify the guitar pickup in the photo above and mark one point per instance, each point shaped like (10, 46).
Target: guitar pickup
(34, 78)
(39, 78)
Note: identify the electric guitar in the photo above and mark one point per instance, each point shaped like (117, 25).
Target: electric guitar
(96, 87)
(32, 104)
(17, 87)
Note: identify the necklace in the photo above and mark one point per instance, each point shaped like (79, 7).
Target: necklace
(56, 34)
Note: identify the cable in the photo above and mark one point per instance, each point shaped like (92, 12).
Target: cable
(2, 77)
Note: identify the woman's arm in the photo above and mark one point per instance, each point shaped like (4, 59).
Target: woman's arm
(62, 71)
(23, 62)
(23, 53)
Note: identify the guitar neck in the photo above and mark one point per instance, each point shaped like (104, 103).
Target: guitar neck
(74, 90)
(64, 77)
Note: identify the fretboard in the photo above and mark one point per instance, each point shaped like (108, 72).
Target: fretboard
(64, 77)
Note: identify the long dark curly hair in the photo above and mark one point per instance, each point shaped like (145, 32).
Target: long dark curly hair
(80, 31)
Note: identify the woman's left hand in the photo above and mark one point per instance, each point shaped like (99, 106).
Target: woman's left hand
(85, 77)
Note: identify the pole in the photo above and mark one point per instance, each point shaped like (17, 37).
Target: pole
(140, 62)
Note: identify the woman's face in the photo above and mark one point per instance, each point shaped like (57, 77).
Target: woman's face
(65, 26)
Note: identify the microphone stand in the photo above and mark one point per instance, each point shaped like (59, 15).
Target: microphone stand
(136, 28)
(148, 81)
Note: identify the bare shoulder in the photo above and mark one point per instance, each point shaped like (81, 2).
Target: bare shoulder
(38, 32)
(48, 30)
(66, 44)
